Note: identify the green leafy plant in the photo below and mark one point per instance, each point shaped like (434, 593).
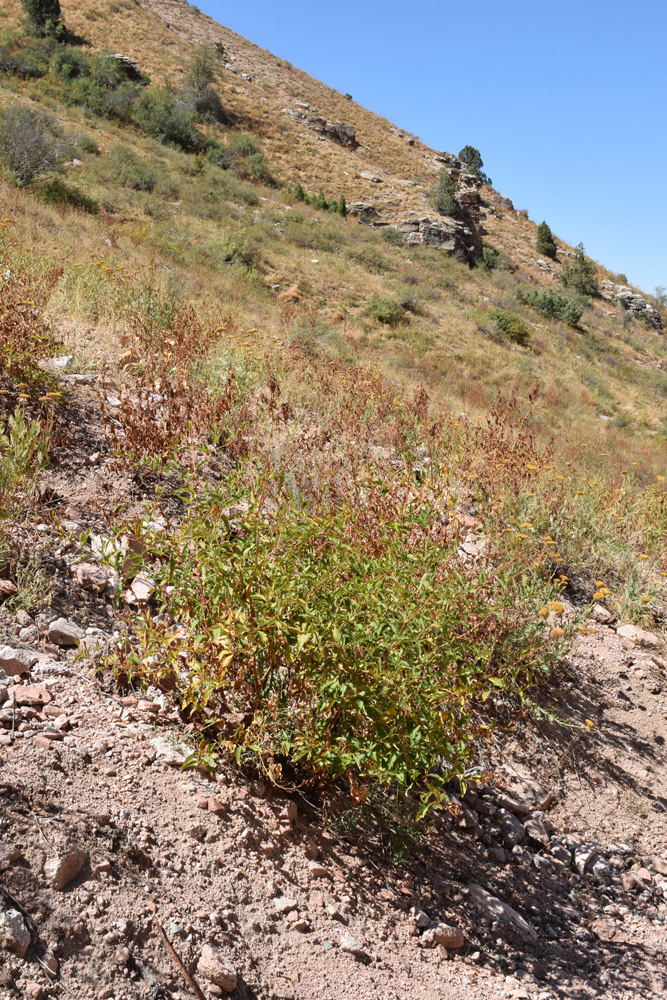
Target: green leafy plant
(511, 326)
(347, 635)
(244, 156)
(44, 17)
(549, 303)
(581, 274)
(32, 145)
(443, 195)
(386, 309)
(157, 113)
(545, 242)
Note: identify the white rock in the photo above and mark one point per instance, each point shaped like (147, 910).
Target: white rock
(14, 935)
(316, 870)
(213, 967)
(16, 661)
(496, 909)
(639, 637)
(64, 868)
(169, 752)
(600, 615)
(444, 934)
(285, 905)
(350, 944)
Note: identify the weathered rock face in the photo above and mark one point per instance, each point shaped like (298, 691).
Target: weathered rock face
(454, 236)
(632, 301)
(346, 135)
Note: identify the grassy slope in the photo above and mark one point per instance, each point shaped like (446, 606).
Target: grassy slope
(603, 388)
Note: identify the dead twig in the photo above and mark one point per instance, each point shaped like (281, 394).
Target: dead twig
(188, 978)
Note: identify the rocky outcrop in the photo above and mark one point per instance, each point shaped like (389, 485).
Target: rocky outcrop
(457, 237)
(346, 135)
(632, 301)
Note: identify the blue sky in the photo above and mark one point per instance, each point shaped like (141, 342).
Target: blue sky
(566, 101)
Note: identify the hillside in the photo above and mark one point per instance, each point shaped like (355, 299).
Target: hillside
(333, 548)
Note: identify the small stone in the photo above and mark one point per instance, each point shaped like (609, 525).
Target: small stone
(197, 832)
(29, 695)
(284, 905)
(214, 968)
(90, 576)
(103, 867)
(301, 925)
(497, 855)
(202, 802)
(14, 935)
(41, 743)
(539, 828)
(7, 589)
(142, 588)
(350, 944)
(64, 633)
(14, 662)
(9, 853)
(215, 806)
(444, 934)
(316, 870)
(62, 870)
(645, 875)
(583, 856)
(34, 991)
(511, 829)
(511, 805)
(51, 963)
(659, 865)
(561, 853)
(600, 615)
(419, 918)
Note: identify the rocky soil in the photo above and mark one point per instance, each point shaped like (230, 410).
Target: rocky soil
(123, 875)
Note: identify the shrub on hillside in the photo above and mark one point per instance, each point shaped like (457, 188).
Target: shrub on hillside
(130, 171)
(511, 326)
(443, 195)
(580, 276)
(474, 162)
(387, 310)
(32, 145)
(317, 200)
(550, 303)
(244, 156)
(545, 242)
(197, 90)
(44, 17)
(158, 114)
(27, 58)
(69, 62)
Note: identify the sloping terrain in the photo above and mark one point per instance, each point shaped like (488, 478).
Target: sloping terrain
(333, 557)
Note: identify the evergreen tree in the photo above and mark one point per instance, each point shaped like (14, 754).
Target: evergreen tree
(45, 17)
(580, 275)
(474, 162)
(443, 195)
(545, 242)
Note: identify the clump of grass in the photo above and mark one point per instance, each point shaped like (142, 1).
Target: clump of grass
(511, 326)
(387, 310)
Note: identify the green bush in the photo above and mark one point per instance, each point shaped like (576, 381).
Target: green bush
(129, 171)
(545, 242)
(443, 195)
(350, 637)
(69, 63)
(474, 162)
(32, 145)
(44, 17)
(27, 58)
(550, 303)
(158, 114)
(317, 200)
(393, 236)
(236, 248)
(244, 156)
(511, 326)
(580, 276)
(490, 259)
(387, 310)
